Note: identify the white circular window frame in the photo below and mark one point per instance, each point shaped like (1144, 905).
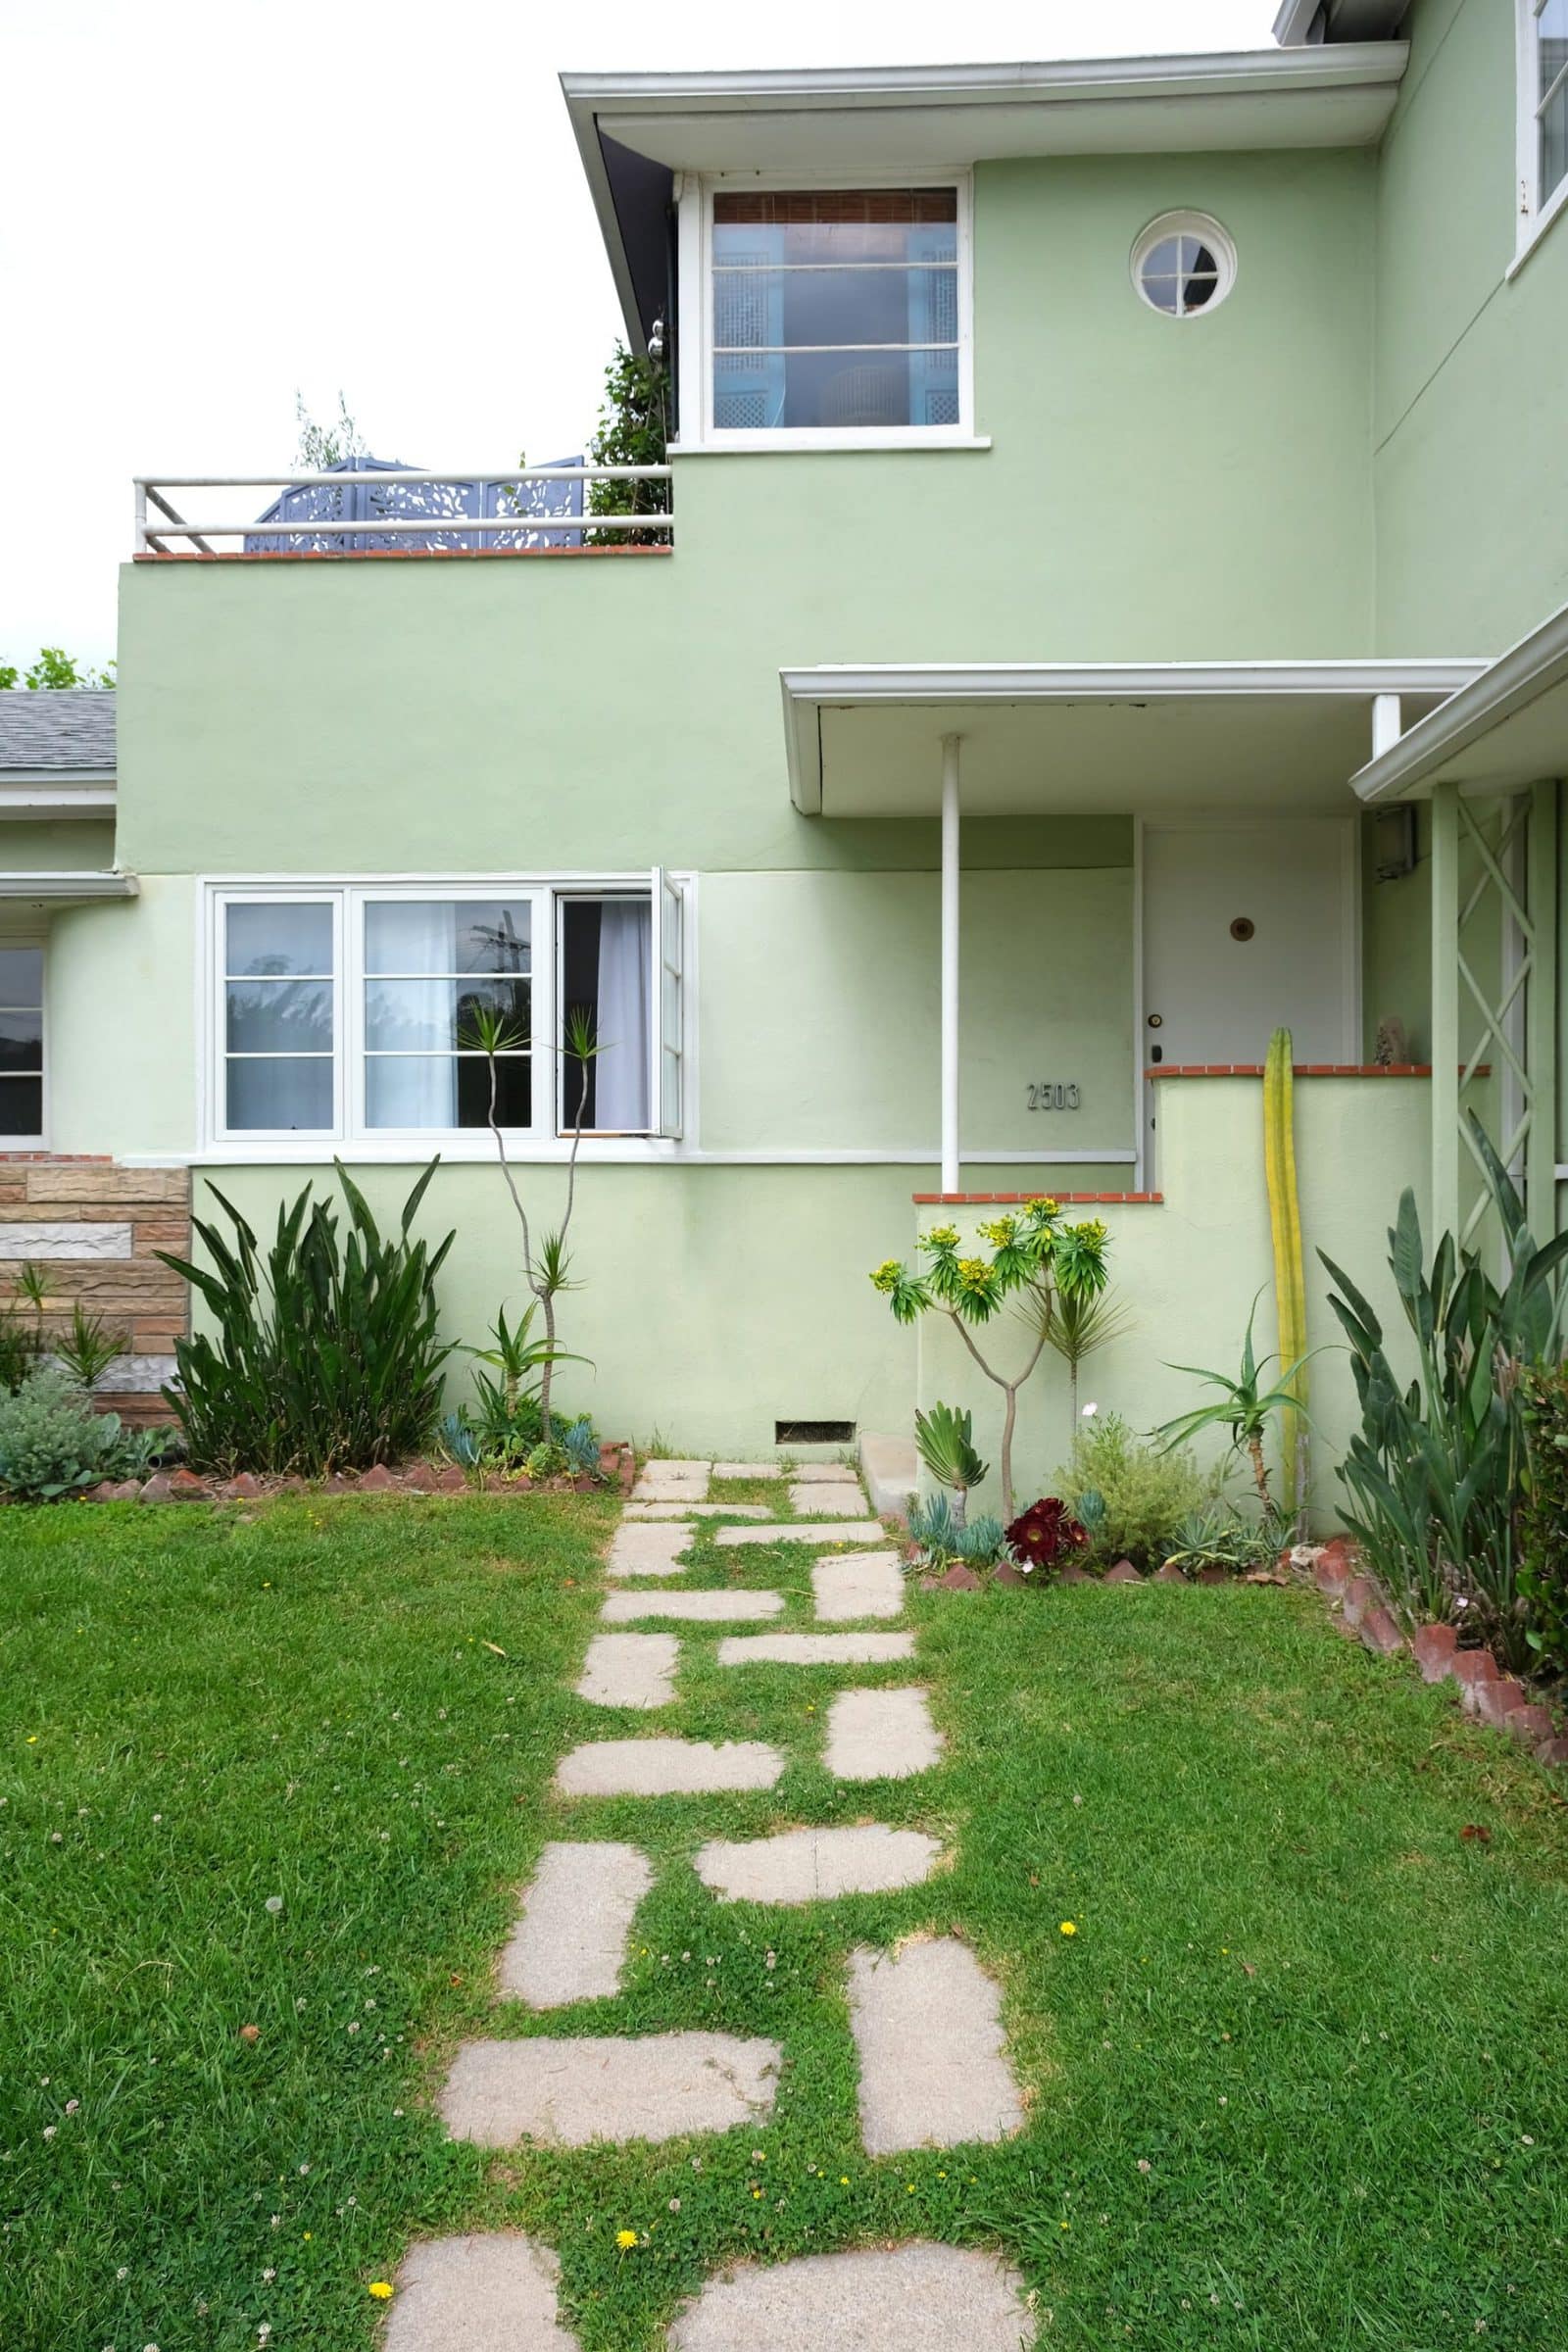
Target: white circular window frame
(1185, 225)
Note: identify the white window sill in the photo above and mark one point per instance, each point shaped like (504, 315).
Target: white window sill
(728, 445)
(319, 1151)
(1532, 231)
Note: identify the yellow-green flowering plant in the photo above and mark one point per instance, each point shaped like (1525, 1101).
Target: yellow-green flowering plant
(1032, 1258)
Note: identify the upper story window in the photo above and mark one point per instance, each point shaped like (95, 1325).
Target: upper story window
(1543, 112)
(838, 312)
(347, 1012)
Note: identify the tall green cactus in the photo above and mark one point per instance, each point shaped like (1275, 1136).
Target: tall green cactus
(1289, 1274)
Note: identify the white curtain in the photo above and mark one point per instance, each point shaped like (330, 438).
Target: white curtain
(416, 1085)
(620, 1074)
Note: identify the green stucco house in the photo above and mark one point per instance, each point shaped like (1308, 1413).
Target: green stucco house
(1114, 600)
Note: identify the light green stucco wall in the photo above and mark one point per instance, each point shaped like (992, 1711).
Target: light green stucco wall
(1188, 1271)
(56, 845)
(1471, 469)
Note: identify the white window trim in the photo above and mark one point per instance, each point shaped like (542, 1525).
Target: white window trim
(700, 436)
(1534, 217)
(41, 1140)
(350, 1137)
(1186, 223)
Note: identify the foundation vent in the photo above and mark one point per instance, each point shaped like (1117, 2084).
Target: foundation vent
(813, 1433)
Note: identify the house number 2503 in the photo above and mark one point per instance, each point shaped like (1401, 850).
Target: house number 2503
(1054, 1094)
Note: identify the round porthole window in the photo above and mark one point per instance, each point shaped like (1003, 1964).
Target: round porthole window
(1184, 264)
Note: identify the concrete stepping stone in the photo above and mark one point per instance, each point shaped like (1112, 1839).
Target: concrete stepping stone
(880, 1736)
(710, 1608)
(828, 1502)
(934, 2070)
(644, 1511)
(915, 2298)
(640, 1548)
(666, 1767)
(630, 1670)
(671, 1481)
(808, 1866)
(570, 1943)
(814, 1649)
(566, 2094)
(822, 1474)
(862, 1584)
(816, 1531)
(747, 1470)
(494, 2291)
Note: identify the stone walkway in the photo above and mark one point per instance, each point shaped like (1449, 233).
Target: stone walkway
(932, 2060)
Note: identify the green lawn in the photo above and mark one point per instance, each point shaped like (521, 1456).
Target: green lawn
(1297, 2081)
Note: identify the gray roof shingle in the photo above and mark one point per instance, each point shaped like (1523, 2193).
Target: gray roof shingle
(69, 728)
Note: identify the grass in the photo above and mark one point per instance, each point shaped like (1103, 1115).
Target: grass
(1296, 2080)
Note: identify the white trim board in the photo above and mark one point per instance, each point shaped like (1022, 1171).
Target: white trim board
(404, 1151)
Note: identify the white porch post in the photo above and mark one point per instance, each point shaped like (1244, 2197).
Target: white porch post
(950, 963)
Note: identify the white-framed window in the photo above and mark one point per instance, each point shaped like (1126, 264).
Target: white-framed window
(1184, 265)
(21, 1064)
(835, 314)
(1542, 113)
(348, 1011)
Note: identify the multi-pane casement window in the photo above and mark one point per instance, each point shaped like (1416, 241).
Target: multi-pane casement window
(359, 1011)
(837, 310)
(21, 1045)
(1543, 110)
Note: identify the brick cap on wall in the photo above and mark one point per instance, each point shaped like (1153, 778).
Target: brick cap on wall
(1018, 1200)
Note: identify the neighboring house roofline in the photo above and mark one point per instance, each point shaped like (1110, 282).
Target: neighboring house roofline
(635, 131)
(57, 735)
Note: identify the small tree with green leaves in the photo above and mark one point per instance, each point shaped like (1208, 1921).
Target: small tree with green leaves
(1032, 1256)
(55, 672)
(545, 1259)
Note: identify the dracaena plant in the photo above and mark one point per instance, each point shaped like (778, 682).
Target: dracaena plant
(1437, 1470)
(1015, 1278)
(546, 1258)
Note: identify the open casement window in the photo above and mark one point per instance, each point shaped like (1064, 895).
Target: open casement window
(835, 309)
(1543, 110)
(21, 1045)
(669, 1054)
(619, 969)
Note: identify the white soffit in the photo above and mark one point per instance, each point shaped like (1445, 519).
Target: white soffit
(1508, 730)
(941, 116)
(1052, 739)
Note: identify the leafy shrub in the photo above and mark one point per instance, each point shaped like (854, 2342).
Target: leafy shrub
(1436, 1470)
(53, 1443)
(549, 1460)
(1046, 1535)
(1129, 1497)
(325, 1354)
(1544, 1528)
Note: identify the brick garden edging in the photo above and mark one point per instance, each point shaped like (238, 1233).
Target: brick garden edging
(617, 1463)
(1484, 1691)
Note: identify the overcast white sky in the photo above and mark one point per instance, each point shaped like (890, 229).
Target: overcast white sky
(207, 203)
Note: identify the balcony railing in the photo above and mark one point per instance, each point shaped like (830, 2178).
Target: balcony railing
(383, 510)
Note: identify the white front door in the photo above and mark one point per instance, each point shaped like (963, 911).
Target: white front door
(1249, 927)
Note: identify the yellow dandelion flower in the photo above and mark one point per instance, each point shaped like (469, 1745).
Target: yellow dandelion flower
(1069, 1927)
(844, 2179)
(380, 2289)
(625, 2238)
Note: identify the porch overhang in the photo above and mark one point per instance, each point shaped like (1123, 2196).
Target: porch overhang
(70, 889)
(1098, 738)
(1504, 731)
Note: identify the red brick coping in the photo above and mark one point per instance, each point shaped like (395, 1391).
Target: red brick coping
(1302, 1069)
(386, 555)
(1019, 1200)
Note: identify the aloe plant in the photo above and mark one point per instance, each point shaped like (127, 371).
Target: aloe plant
(1247, 1407)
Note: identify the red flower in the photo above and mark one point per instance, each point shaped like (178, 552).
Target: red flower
(1046, 1532)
